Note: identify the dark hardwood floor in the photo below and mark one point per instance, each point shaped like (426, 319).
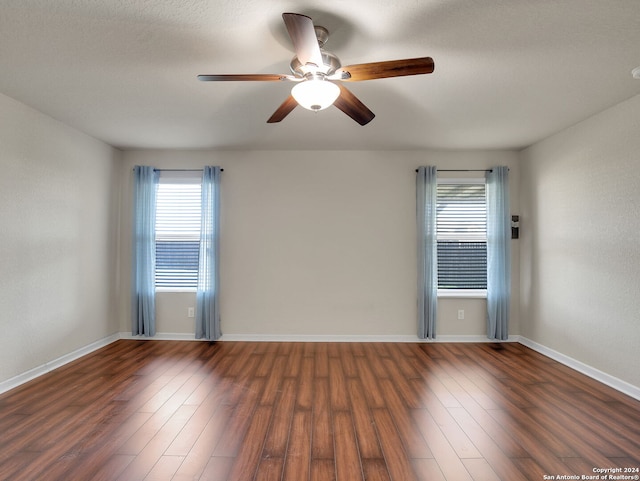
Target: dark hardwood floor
(165, 410)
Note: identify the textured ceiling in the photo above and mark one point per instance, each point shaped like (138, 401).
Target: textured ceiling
(508, 72)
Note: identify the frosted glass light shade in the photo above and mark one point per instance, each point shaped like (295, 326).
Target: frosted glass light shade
(315, 94)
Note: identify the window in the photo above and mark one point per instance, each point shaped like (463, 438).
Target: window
(177, 231)
(461, 228)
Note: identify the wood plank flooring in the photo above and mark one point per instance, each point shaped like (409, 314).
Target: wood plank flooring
(170, 410)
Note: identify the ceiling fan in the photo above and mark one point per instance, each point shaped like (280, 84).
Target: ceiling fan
(316, 71)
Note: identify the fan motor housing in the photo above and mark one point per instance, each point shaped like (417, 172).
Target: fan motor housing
(330, 63)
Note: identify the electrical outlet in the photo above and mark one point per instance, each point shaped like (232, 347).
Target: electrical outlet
(191, 312)
(460, 314)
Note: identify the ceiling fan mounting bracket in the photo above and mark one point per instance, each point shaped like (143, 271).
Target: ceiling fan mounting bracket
(322, 34)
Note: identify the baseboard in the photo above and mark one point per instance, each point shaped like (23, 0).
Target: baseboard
(603, 377)
(471, 338)
(170, 336)
(56, 363)
(353, 338)
(162, 336)
(315, 338)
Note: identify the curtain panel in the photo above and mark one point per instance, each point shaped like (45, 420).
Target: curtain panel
(207, 297)
(426, 201)
(498, 253)
(143, 291)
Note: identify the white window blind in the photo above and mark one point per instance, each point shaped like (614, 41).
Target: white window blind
(461, 225)
(177, 232)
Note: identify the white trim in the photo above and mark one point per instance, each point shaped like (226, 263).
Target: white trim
(168, 336)
(177, 289)
(163, 336)
(181, 176)
(38, 371)
(592, 372)
(317, 338)
(472, 338)
(462, 180)
(352, 338)
(462, 293)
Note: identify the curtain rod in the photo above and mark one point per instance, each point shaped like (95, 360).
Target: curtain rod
(463, 170)
(182, 170)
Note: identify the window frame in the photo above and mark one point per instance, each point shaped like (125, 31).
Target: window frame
(178, 177)
(462, 293)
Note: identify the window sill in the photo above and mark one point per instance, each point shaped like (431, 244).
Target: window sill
(463, 293)
(176, 289)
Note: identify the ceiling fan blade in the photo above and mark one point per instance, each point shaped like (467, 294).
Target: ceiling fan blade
(303, 36)
(284, 110)
(391, 68)
(351, 105)
(265, 77)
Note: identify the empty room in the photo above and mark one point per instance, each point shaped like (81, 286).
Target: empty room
(326, 241)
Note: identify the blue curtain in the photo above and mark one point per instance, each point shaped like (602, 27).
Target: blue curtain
(426, 193)
(207, 302)
(143, 290)
(498, 253)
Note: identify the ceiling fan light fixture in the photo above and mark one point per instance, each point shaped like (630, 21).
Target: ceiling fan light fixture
(315, 94)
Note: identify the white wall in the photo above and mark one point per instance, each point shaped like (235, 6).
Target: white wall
(580, 256)
(58, 218)
(316, 243)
